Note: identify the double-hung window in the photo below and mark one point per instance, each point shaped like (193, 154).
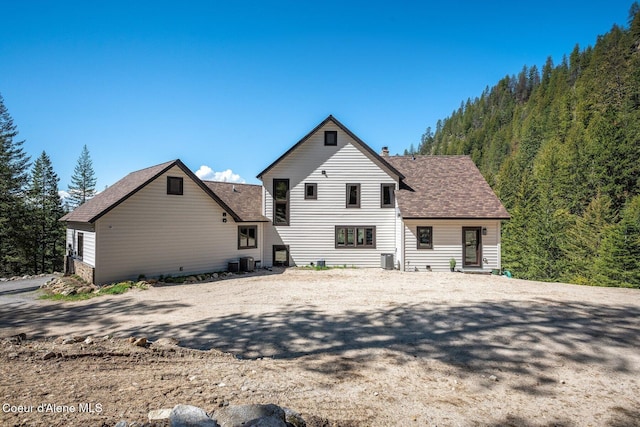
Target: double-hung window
(281, 202)
(247, 236)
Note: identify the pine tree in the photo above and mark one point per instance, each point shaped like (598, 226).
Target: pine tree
(83, 181)
(45, 232)
(13, 177)
(581, 246)
(619, 261)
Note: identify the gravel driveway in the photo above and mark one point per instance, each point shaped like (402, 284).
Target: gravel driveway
(504, 350)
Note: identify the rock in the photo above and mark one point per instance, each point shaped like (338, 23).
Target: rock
(493, 378)
(68, 291)
(251, 415)
(12, 355)
(68, 340)
(132, 339)
(214, 275)
(190, 416)
(49, 355)
(159, 414)
(85, 290)
(140, 342)
(165, 342)
(88, 340)
(121, 423)
(293, 418)
(17, 339)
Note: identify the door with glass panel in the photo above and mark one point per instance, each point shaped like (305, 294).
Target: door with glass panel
(471, 246)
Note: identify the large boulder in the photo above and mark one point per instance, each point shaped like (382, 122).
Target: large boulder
(251, 415)
(190, 416)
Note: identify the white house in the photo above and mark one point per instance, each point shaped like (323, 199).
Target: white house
(332, 198)
(329, 199)
(164, 220)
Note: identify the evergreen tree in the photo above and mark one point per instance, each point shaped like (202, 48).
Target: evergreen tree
(13, 177)
(581, 246)
(619, 260)
(83, 181)
(45, 232)
(561, 148)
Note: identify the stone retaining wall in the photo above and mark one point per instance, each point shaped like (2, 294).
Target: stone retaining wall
(86, 271)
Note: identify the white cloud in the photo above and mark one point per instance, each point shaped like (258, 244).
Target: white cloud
(208, 174)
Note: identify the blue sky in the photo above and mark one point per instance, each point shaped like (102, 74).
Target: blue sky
(232, 85)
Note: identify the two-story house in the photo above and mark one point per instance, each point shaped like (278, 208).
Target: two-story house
(329, 199)
(332, 198)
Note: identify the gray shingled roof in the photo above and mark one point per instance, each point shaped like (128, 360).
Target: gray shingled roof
(108, 199)
(440, 187)
(244, 199)
(116, 194)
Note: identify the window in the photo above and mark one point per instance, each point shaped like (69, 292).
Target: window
(386, 195)
(247, 236)
(311, 191)
(425, 237)
(330, 137)
(80, 246)
(281, 202)
(174, 185)
(355, 237)
(353, 195)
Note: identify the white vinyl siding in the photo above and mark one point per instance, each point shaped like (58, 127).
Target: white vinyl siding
(153, 233)
(311, 230)
(447, 244)
(89, 240)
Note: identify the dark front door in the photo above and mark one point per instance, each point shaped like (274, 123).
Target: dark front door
(280, 256)
(471, 246)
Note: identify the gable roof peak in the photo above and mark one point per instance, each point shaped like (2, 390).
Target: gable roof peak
(114, 195)
(374, 155)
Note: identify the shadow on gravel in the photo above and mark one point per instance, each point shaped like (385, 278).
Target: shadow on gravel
(99, 314)
(521, 337)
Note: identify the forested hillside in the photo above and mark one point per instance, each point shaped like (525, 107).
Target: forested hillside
(561, 148)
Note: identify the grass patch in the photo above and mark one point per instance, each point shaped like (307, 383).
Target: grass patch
(113, 289)
(60, 297)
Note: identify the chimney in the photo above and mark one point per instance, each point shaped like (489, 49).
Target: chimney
(385, 152)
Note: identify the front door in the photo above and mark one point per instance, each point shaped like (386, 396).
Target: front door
(471, 246)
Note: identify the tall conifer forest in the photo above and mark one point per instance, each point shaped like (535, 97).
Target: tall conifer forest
(561, 148)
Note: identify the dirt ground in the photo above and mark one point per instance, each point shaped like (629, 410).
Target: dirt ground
(353, 347)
